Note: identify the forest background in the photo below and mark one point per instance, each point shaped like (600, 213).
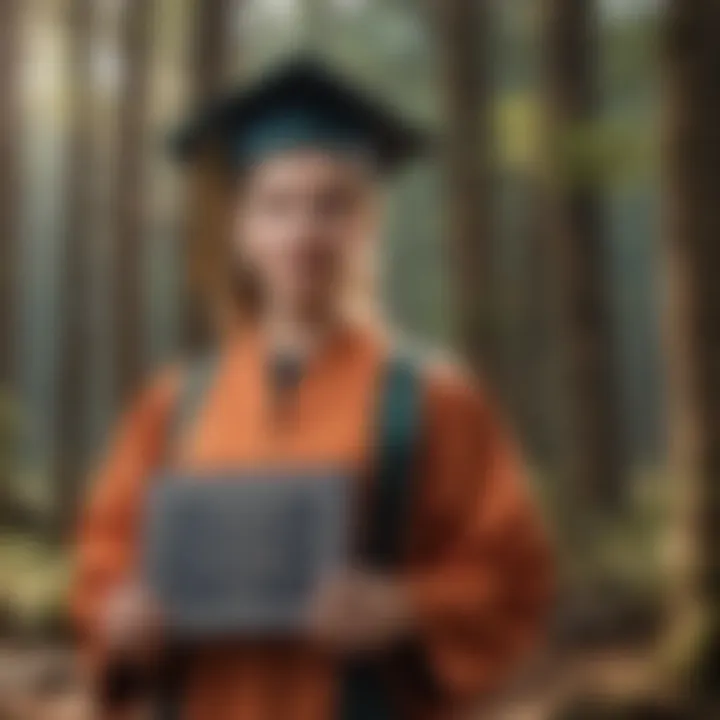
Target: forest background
(563, 239)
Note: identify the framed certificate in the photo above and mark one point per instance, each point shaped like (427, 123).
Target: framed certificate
(242, 554)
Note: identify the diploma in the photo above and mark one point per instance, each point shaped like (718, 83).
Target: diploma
(242, 554)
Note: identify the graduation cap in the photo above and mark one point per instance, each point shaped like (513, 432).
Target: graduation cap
(300, 103)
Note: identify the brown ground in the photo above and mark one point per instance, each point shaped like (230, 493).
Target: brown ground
(40, 684)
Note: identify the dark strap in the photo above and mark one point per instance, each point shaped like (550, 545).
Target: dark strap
(398, 428)
(364, 694)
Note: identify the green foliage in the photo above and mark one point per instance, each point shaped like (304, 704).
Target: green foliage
(608, 152)
(518, 128)
(630, 59)
(32, 576)
(33, 585)
(9, 438)
(622, 550)
(614, 151)
(25, 497)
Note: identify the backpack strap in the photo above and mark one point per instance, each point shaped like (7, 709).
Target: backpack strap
(364, 694)
(398, 430)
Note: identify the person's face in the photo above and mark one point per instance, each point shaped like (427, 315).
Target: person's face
(303, 219)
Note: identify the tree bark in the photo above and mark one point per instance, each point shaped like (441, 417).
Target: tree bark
(462, 28)
(130, 211)
(74, 338)
(212, 47)
(692, 180)
(536, 382)
(11, 31)
(580, 254)
(205, 296)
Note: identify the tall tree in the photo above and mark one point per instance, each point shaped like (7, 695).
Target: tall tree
(75, 345)
(11, 32)
(535, 381)
(131, 193)
(692, 178)
(462, 28)
(580, 253)
(212, 46)
(211, 63)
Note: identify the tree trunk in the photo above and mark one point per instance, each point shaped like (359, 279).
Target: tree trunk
(136, 36)
(212, 47)
(11, 32)
(75, 342)
(692, 176)
(206, 274)
(463, 32)
(536, 380)
(580, 254)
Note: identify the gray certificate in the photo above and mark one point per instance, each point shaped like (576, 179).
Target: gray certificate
(242, 554)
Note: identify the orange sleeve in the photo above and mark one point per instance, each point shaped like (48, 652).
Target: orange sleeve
(481, 569)
(106, 544)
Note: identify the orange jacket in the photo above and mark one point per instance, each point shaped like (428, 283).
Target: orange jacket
(477, 564)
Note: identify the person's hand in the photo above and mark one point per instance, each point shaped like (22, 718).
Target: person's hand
(360, 612)
(132, 623)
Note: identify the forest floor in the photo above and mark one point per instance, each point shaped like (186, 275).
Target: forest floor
(40, 683)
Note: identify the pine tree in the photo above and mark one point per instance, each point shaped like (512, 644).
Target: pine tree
(75, 347)
(206, 279)
(692, 222)
(462, 29)
(577, 245)
(11, 33)
(131, 194)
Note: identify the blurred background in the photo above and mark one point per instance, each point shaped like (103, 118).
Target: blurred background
(564, 239)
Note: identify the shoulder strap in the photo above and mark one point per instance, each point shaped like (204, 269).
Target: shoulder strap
(364, 693)
(198, 377)
(398, 425)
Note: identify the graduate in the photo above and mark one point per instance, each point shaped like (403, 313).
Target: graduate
(451, 583)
